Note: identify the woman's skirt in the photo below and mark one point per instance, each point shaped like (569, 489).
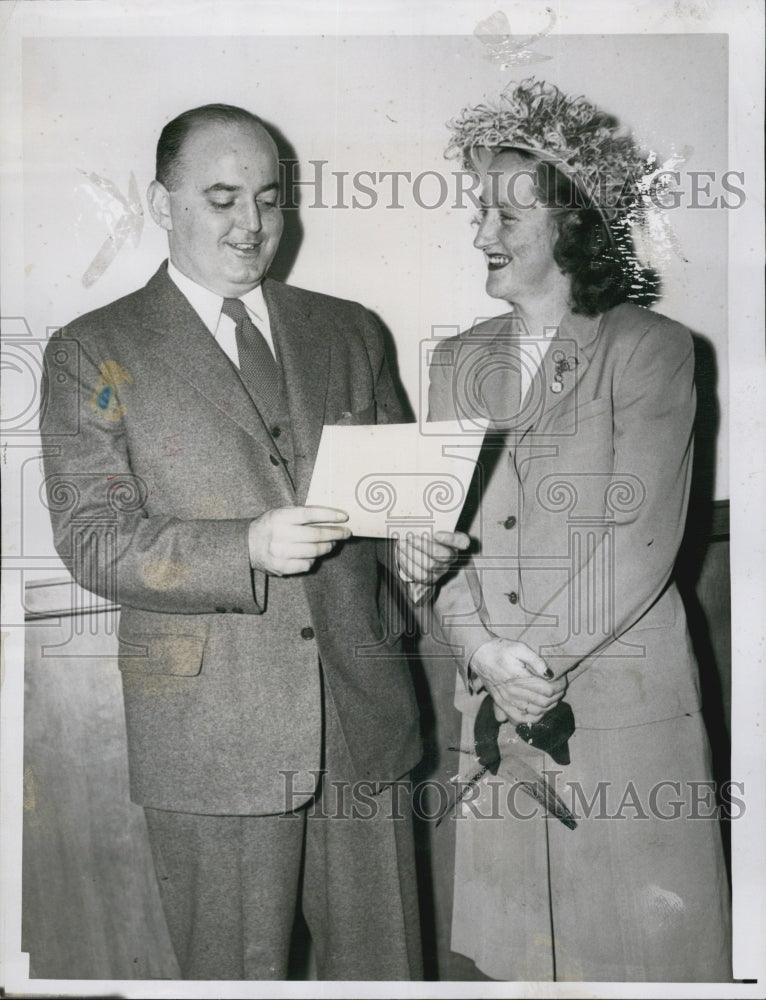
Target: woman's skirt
(636, 892)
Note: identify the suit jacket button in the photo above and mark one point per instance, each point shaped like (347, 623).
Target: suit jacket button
(509, 522)
(274, 460)
(307, 633)
(276, 431)
(513, 597)
(221, 610)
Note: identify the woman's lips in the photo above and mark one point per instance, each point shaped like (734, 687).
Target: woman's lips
(496, 261)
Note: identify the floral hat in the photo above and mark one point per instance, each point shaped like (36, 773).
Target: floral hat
(585, 143)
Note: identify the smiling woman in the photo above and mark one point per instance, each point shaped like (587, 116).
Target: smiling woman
(577, 516)
(517, 236)
(217, 194)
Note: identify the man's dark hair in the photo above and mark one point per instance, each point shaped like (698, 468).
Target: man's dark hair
(173, 136)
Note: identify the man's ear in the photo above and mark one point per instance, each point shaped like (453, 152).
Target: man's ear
(159, 204)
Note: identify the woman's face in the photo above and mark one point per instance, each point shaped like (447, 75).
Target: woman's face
(516, 233)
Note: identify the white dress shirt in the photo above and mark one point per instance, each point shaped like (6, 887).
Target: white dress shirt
(207, 306)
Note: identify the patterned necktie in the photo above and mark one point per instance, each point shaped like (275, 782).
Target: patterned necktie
(257, 366)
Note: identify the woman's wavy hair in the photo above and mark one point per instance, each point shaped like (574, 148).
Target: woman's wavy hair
(596, 255)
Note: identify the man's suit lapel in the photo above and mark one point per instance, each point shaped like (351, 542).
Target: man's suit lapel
(304, 353)
(190, 352)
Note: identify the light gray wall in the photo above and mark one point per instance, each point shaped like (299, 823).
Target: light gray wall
(374, 103)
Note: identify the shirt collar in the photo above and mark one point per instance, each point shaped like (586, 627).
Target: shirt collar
(208, 304)
(256, 305)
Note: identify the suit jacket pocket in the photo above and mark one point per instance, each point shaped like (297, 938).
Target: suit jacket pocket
(366, 415)
(180, 655)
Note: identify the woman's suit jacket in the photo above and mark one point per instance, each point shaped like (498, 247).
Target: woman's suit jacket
(156, 462)
(581, 511)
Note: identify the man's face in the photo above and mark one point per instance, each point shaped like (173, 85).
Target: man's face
(222, 214)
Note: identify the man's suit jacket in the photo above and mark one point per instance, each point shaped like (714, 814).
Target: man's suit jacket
(581, 513)
(156, 461)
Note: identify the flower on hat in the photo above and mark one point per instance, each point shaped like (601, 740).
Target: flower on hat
(585, 142)
(600, 157)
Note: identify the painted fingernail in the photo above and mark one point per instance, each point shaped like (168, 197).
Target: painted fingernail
(549, 673)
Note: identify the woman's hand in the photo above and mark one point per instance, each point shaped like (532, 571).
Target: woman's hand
(425, 558)
(521, 685)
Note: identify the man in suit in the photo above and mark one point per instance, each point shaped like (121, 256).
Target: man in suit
(181, 425)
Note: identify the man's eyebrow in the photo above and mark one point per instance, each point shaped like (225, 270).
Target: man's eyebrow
(232, 188)
(220, 187)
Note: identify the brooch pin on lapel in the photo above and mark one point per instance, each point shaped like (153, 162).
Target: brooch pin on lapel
(563, 364)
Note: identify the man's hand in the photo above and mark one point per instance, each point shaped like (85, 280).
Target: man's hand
(425, 558)
(289, 540)
(519, 681)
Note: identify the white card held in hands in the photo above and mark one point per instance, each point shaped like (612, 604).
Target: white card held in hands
(393, 478)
